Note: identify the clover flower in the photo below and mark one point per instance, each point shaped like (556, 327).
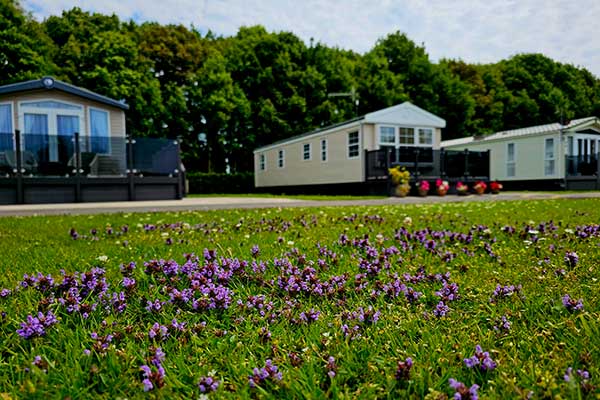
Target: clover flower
(572, 304)
(480, 358)
(462, 391)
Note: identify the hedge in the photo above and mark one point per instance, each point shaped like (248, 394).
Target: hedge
(204, 183)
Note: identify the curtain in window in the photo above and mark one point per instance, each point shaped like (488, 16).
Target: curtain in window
(36, 135)
(6, 129)
(66, 126)
(99, 131)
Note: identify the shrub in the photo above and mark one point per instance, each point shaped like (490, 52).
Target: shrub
(201, 183)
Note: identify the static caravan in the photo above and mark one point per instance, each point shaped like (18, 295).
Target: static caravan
(544, 156)
(62, 143)
(336, 155)
(48, 113)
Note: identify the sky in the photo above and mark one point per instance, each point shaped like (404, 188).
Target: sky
(472, 30)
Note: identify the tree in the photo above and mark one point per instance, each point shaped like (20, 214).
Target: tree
(98, 53)
(24, 47)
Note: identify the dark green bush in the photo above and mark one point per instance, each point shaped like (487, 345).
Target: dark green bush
(202, 183)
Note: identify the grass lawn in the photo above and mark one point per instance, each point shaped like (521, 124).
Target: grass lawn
(500, 299)
(315, 197)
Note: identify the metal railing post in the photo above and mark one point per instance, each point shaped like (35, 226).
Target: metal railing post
(78, 197)
(130, 171)
(178, 171)
(366, 165)
(19, 171)
(388, 154)
(489, 168)
(597, 171)
(466, 169)
(416, 154)
(442, 160)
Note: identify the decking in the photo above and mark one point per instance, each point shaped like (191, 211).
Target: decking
(74, 168)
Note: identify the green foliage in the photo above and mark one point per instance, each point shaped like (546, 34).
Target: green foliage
(257, 87)
(23, 46)
(241, 182)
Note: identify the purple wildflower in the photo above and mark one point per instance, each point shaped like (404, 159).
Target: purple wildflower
(255, 251)
(154, 378)
(403, 369)
(449, 292)
(5, 293)
(310, 316)
(503, 292)
(158, 332)
(261, 375)
(127, 269)
(128, 283)
(36, 326)
(331, 367)
(480, 358)
(462, 391)
(208, 384)
(571, 259)
(441, 310)
(155, 306)
(502, 325)
(572, 304)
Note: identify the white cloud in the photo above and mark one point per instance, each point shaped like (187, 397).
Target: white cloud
(476, 31)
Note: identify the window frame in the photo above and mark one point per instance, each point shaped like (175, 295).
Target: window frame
(511, 163)
(262, 162)
(12, 121)
(350, 146)
(418, 136)
(51, 115)
(550, 160)
(395, 133)
(89, 127)
(324, 150)
(306, 151)
(281, 158)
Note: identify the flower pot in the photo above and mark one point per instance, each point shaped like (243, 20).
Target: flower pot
(495, 191)
(423, 192)
(442, 192)
(462, 192)
(479, 190)
(402, 190)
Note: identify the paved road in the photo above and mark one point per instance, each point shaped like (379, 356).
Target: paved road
(218, 203)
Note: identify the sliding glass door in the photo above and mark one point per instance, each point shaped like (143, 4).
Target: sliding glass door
(48, 128)
(36, 143)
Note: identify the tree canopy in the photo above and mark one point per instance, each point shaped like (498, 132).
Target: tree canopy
(225, 96)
